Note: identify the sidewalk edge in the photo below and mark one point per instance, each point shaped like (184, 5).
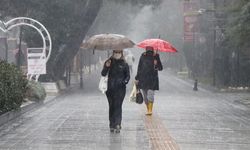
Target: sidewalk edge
(8, 116)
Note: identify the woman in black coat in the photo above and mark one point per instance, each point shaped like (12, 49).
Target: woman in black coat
(118, 76)
(147, 76)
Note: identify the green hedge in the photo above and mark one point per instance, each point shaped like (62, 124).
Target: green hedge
(12, 87)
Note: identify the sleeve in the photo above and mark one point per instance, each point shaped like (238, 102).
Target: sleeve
(137, 77)
(159, 64)
(127, 74)
(105, 69)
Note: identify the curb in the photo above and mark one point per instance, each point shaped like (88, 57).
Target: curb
(11, 115)
(191, 82)
(8, 116)
(206, 86)
(202, 85)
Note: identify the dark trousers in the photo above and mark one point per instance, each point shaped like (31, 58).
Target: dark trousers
(115, 99)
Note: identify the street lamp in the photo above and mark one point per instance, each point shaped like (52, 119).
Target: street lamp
(201, 11)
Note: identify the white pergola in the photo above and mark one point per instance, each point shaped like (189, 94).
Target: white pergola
(40, 28)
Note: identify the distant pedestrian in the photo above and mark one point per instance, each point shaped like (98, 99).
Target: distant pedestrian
(130, 59)
(118, 76)
(147, 76)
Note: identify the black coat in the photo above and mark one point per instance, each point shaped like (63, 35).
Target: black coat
(147, 72)
(118, 73)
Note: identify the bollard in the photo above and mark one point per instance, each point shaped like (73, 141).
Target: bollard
(195, 85)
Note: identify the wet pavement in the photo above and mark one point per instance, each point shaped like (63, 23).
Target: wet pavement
(203, 120)
(183, 119)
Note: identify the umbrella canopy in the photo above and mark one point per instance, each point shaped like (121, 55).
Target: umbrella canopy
(108, 42)
(157, 44)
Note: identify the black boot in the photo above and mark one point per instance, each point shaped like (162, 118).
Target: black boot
(112, 127)
(117, 128)
(112, 130)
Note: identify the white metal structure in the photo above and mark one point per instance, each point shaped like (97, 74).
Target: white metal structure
(40, 28)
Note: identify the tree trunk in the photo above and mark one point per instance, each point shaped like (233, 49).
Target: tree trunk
(72, 46)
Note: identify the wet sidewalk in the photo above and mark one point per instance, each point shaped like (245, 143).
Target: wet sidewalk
(183, 119)
(77, 120)
(74, 121)
(203, 120)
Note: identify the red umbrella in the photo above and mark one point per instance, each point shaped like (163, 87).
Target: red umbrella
(157, 44)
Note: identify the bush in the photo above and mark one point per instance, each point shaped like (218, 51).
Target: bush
(35, 91)
(12, 87)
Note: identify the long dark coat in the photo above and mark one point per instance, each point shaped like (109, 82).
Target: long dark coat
(147, 72)
(118, 73)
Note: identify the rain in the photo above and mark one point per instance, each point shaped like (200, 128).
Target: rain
(124, 74)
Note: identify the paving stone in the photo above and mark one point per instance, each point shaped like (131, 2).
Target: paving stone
(78, 120)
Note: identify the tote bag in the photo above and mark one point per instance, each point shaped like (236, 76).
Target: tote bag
(103, 84)
(132, 97)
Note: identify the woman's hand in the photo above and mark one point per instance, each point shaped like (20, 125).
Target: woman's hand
(108, 63)
(155, 62)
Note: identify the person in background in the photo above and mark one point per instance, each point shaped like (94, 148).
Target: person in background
(118, 76)
(130, 59)
(147, 78)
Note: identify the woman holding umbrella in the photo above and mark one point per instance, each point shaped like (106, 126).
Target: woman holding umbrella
(118, 76)
(117, 70)
(147, 76)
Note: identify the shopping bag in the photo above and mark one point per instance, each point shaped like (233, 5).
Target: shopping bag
(132, 97)
(103, 84)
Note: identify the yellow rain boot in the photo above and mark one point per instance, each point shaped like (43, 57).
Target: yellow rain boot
(150, 108)
(147, 109)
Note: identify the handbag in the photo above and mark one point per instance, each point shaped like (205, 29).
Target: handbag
(103, 84)
(139, 97)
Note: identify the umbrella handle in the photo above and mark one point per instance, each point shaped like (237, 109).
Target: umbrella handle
(94, 50)
(156, 52)
(107, 54)
(158, 43)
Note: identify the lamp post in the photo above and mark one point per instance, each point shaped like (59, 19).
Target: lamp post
(215, 28)
(81, 66)
(201, 11)
(191, 18)
(20, 48)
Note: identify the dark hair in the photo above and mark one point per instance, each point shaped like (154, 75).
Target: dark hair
(149, 48)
